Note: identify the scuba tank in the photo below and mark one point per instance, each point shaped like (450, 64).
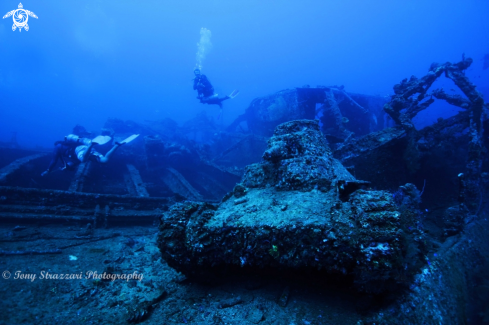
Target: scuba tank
(74, 139)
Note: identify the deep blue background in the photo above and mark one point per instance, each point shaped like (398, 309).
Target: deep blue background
(85, 61)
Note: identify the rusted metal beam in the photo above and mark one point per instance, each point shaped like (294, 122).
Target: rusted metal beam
(29, 204)
(137, 181)
(179, 185)
(7, 171)
(77, 182)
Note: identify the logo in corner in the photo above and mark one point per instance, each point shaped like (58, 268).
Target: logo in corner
(20, 17)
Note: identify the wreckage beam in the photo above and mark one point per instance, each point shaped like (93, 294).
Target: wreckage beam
(76, 184)
(62, 206)
(7, 171)
(137, 181)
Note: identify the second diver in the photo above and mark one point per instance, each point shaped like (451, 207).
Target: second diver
(205, 90)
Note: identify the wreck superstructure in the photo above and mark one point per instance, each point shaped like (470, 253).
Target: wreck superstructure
(342, 202)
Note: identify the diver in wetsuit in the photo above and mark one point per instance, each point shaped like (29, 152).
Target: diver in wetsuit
(74, 150)
(205, 90)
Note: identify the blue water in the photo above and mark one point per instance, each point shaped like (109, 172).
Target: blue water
(85, 61)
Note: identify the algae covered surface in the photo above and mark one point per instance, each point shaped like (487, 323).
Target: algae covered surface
(274, 208)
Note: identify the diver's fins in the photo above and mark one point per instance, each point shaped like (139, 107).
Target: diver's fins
(129, 139)
(234, 93)
(101, 139)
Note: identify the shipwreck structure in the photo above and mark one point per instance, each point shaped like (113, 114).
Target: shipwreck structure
(342, 115)
(443, 245)
(196, 161)
(361, 192)
(449, 155)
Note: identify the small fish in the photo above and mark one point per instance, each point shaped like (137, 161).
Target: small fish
(73, 258)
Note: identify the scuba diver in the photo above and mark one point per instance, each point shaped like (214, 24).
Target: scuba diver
(205, 90)
(75, 150)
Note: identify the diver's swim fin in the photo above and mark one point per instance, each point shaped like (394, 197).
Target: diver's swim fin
(101, 139)
(129, 139)
(234, 93)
